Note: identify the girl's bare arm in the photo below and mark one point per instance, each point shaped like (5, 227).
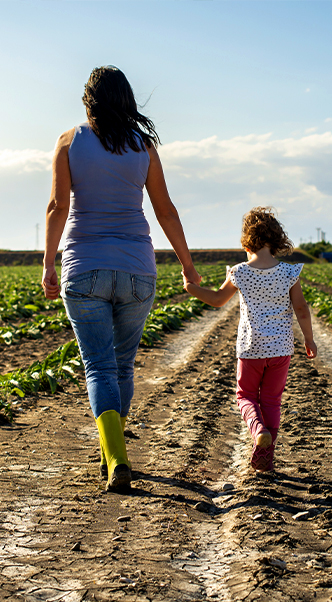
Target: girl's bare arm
(302, 313)
(214, 298)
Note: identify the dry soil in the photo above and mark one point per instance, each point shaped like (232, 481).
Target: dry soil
(198, 523)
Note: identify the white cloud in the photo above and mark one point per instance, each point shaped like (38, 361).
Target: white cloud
(241, 149)
(27, 160)
(212, 155)
(292, 174)
(328, 119)
(310, 130)
(212, 182)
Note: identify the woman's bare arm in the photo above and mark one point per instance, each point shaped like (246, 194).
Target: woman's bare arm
(57, 212)
(167, 215)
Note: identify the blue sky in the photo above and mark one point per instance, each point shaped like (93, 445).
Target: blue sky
(240, 93)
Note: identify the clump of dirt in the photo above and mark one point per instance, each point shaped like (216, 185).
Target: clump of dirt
(198, 523)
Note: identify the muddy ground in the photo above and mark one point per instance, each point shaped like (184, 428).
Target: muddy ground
(198, 523)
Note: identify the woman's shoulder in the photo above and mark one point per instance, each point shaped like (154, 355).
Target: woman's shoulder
(63, 144)
(66, 138)
(152, 152)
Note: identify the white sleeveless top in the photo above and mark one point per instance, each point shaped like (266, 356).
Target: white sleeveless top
(266, 312)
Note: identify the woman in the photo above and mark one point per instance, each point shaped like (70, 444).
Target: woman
(108, 264)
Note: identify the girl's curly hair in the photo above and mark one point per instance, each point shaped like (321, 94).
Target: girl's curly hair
(112, 112)
(260, 227)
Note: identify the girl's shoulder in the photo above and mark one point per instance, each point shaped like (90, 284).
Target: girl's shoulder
(236, 272)
(291, 271)
(242, 271)
(239, 267)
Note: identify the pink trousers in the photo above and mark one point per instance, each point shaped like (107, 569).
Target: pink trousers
(260, 384)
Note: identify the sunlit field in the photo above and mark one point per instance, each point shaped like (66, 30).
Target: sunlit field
(26, 314)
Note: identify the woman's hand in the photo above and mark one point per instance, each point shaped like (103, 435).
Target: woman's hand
(191, 275)
(50, 283)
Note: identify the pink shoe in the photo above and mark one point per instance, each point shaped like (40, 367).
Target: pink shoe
(262, 453)
(271, 467)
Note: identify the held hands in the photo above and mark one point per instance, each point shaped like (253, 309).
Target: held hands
(185, 282)
(311, 349)
(190, 276)
(50, 283)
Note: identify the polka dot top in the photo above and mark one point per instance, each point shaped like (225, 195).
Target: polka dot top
(266, 312)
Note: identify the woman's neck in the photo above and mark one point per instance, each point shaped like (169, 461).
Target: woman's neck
(262, 259)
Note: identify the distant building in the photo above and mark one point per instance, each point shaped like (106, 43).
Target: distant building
(326, 255)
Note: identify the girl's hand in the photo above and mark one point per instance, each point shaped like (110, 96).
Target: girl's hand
(186, 282)
(50, 283)
(311, 349)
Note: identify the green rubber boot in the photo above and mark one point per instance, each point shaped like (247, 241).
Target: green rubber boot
(103, 462)
(114, 449)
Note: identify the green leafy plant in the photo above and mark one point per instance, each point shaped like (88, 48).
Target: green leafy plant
(320, 301)
(42, 376)
(165, 318)
(33, 329)
(318, 273)
(6, 409)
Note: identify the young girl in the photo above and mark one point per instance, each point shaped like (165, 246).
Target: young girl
(269, 292)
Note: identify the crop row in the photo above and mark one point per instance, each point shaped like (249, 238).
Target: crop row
(33, 329)
(22, 297)
(41, 376)
(62, 363)
(21, 294)
(165, 318)
(320, 301)
(169, 281)
(318, 273)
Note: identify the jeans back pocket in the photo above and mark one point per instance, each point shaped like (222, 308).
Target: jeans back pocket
(80, 286)
(143, 287)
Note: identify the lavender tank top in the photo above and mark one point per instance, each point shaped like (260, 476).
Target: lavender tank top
(106, 226)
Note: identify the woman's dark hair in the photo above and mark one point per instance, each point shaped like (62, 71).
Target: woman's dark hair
(260, 227)
(112, 112)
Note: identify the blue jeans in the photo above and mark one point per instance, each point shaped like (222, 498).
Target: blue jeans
(107, 310)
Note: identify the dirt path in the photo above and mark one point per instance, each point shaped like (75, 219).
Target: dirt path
(184, 535)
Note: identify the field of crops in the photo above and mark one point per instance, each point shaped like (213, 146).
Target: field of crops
(320, 277)
(26, 314)
(320, 273)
